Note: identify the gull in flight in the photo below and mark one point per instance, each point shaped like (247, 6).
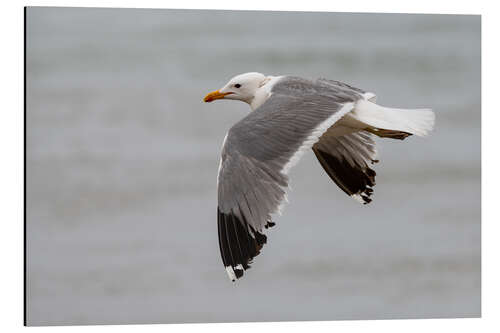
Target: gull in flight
(291, 115)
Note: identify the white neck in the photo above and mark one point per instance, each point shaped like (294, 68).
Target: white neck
(264, 92)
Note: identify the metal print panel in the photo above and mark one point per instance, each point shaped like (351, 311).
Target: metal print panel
(147, 204)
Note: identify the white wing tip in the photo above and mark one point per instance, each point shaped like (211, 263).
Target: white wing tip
(230, 273)
(358, 198)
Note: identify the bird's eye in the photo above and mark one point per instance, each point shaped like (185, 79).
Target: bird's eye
(237, 85)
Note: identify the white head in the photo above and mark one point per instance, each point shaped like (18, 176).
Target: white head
(241, 87)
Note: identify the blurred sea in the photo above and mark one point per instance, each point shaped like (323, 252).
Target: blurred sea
(122, 157)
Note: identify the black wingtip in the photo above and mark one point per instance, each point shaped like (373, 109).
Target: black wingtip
(238, 273)
(358, 182)
(269, 224)
(239, 243)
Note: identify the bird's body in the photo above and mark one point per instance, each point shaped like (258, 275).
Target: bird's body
(290, 116)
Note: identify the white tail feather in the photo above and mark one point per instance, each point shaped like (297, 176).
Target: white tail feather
(417, 121)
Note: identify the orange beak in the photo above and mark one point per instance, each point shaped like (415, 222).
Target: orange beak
(215, 95)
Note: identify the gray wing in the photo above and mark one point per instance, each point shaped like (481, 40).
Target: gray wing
(257, 154)
(347, 159)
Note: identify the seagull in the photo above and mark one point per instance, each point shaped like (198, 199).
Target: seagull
(291, 115)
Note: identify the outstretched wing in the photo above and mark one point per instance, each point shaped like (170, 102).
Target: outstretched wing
(257, 154)
(347, 159)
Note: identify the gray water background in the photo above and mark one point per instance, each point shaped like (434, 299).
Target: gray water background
(122, 157)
